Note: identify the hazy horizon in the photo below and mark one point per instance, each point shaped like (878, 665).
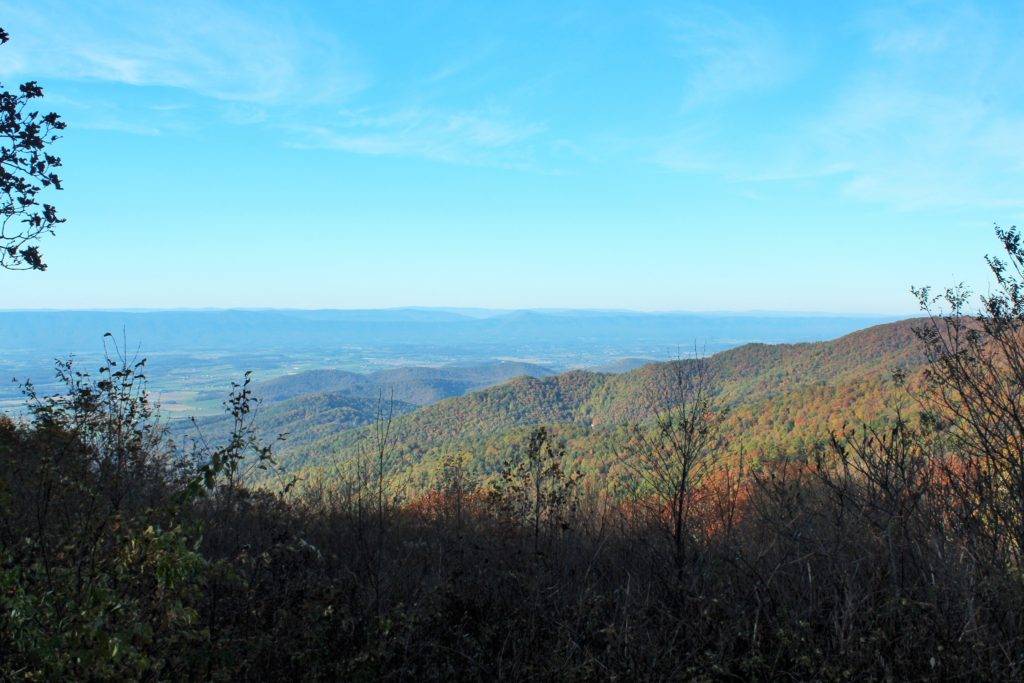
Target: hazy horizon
(193, 353)
(470, 310)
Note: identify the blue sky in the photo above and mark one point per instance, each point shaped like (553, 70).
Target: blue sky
(657, 156)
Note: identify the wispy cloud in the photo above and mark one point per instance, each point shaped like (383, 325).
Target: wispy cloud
(935, 119)
(464, 137)
(921, 148)
(251, 69)
(927, 111)
(91, 113)
(725, 55)
(210, 49)
(459, 66)
(930, 117)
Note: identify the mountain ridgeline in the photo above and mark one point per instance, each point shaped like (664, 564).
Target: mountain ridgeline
(780, 398)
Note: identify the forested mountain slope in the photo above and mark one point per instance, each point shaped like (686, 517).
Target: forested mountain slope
(780, 398)
(318, 404)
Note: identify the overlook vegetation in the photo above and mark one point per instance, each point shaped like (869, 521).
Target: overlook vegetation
(835, 510)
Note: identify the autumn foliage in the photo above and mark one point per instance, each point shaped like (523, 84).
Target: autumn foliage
(887, 550)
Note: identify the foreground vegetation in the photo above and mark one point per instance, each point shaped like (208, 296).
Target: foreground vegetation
(888, 551)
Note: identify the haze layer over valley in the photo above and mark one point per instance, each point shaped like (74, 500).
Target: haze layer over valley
(193, 356)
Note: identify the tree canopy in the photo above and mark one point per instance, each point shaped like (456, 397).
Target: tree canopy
(27, 169)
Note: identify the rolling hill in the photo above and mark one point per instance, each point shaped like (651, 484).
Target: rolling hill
(317, 404)
(301, 421)
(416, 385)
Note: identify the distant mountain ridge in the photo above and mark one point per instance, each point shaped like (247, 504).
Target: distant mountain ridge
(61, 332)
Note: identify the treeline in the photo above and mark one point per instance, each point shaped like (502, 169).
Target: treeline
(886, 551)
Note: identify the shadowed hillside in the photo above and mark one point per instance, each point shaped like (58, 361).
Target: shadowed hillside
(298, 421)
(318, 404)
(417, 385)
